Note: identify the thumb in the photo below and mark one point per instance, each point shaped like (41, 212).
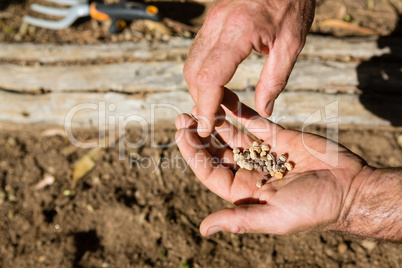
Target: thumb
(273, 78)
(256, 218)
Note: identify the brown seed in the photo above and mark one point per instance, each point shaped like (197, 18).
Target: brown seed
(265, 148)
(241, 163)
(249, 166)
(289, 166)
(278, 175)
(246, 154)
(283, 158)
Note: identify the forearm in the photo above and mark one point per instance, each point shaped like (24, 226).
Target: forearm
(375, 208)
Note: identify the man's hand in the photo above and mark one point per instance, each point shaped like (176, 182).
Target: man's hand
(325, 193)
(232, 29)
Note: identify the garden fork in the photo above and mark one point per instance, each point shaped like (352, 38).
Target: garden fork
(120, 13)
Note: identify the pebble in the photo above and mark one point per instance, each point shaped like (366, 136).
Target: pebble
(342, 248)
(400, 141)
(369, 245)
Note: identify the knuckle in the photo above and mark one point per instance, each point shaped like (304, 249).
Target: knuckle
(204, 78)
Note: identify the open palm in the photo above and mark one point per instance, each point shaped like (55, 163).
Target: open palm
(310, 196)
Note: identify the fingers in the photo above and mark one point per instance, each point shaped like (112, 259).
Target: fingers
(213, 175)
(274, 76)
(256, 218)
(259, 126)
(212, 145)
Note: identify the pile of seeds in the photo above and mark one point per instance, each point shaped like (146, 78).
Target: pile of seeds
(260, 159)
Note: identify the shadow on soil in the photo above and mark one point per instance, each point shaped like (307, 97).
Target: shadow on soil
(85, 241)
(380, 79)
(5, 3)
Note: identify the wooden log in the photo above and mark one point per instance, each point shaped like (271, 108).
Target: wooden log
(88, 109)
(144, 77)
(176, 49)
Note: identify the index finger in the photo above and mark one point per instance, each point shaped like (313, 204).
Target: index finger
(217, 70)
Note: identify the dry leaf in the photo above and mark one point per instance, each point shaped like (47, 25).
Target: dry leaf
(158, 27)
(85, 165)
(353, 29)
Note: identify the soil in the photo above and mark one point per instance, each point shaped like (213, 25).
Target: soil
(144, 215)
(124, 215)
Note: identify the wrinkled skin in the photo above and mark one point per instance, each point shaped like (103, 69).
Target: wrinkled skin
(314, 195)
(232, 29)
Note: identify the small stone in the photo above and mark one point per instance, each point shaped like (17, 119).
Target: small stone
(400, 141)
(342, 248)
(369, 245)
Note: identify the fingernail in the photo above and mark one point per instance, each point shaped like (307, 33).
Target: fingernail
(214, 230)
(270, 107)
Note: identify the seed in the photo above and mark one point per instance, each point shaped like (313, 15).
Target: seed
(272, 173)
(270, 156)
(263, 153)
(283, 158)
(265, 169)
(289, 166)
(253, 155)
(249, 166)
(246, 154)
(259, 184)
(279, 175)
(257, 150)
(241, 156)
(261, 163)
(241, 163)
(236, 150)
(259, 168)
(255, 144)
(256, 166)
(265, 147)
(235, 157)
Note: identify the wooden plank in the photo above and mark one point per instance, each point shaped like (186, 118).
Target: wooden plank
(167, 76)
(154, 76)
(176, 48)
(290, 107)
